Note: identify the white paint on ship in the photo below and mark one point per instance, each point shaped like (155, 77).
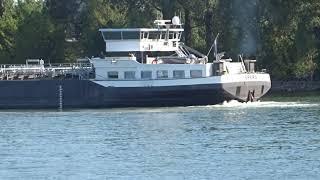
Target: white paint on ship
(242, 78)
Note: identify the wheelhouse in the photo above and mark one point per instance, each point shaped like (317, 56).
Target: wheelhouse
(164, 38)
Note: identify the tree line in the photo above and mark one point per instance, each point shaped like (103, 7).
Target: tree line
(284, 35)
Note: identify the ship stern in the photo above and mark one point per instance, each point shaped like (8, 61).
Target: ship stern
(246, 87)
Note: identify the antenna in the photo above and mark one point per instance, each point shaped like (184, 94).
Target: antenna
(215, 45)
(210, 49)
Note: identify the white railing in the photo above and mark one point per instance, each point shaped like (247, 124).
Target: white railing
(37, 71)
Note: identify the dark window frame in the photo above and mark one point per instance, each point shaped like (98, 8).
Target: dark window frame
(196, 75)
(144, 73)
(162, 74)
(127, 76)
(113, 76)
(176, 74)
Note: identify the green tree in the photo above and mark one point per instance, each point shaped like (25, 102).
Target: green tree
(99, 14)
(288, 36)
(139, 13)
(8, 28)
(66, 16)
(284, 35)
(1, 7)
(306, 67)
(306, 38)
(34, 36)
(192, 12)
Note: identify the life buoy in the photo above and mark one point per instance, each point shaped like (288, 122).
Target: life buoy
(155, 61)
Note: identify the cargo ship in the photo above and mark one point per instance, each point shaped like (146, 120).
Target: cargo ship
(147, 67)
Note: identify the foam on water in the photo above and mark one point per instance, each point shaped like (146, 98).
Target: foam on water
(265, 104)
(226, 105)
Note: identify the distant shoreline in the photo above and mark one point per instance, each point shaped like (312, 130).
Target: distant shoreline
(295, 86)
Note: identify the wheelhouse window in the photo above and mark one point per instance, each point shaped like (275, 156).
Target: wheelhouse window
(176, 35)
(144, 35)
(113, 75)
(171, 35)
(131, 35)
(178, 74)
(196, 73)
(179, 35)
(163, 35)
(154, 35)
(162, 74)
(121, 35)
(116, 35)
(130, 75)
(146, 74)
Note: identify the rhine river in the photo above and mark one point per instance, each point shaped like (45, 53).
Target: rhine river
(277, 138)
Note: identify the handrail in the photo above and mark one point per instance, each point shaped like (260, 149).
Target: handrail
(38, 71)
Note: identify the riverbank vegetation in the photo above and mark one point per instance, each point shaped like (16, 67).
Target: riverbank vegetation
(283, 35)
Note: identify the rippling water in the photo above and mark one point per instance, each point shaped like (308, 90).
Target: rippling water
(271, 139)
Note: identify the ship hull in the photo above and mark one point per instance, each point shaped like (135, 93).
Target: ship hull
(40, 94)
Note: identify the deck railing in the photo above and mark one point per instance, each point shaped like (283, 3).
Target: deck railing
(46, 71)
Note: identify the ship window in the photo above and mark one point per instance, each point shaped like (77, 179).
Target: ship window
(238, 91)
(178, 74)
(171, 35)
(130, 75)
(131, 35)
(196, 73)
(113, 75)
(146, 74)
(162, 74)
(176, 35)
(145, 35)
(112, 35)
(154, 35)
(163, 36)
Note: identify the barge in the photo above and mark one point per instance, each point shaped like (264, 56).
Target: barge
(147, 67)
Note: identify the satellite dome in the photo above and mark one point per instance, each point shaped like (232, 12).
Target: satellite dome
(176, 20)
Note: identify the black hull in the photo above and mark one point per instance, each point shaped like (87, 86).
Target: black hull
(40, 94)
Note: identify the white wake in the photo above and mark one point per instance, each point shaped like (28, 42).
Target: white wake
(265, 104)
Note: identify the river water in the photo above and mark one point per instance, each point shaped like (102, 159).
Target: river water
(278, 138)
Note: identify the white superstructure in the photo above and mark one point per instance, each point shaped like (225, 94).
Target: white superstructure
(181, 67)
(165, 37)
